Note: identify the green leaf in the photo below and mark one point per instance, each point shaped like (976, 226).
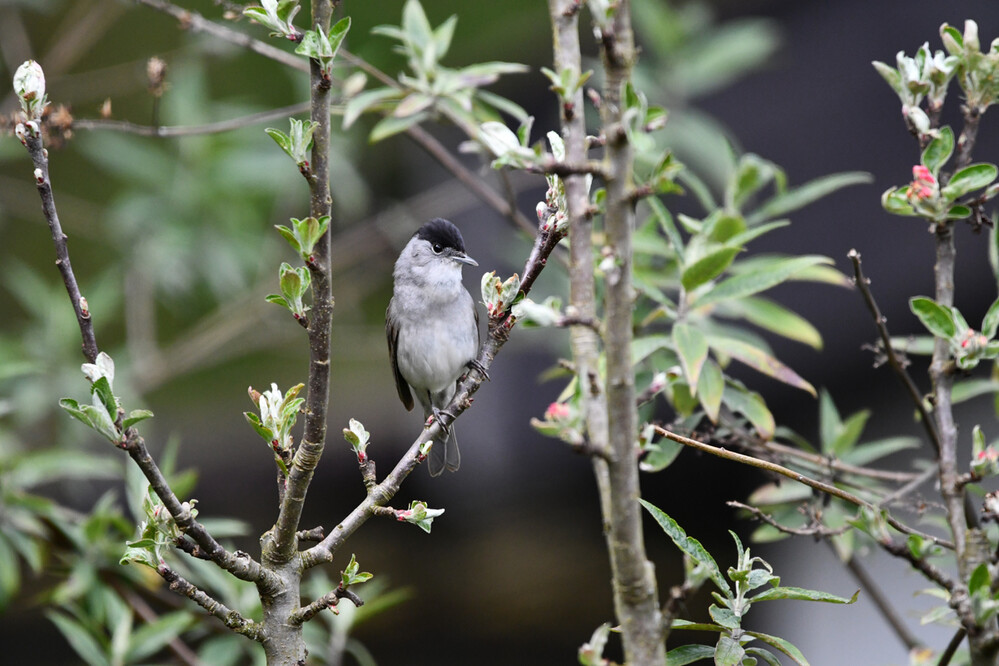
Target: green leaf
(867, 453)
(149, 639)
(710, 387)
(660, 455)
(646, 345)
(973, 177)
(775, 318)
(692, 347)
(728, 652)
(972, 388)
(688, 545)
(724, 617)
(784, 646)
(802, 594)
(391, 126)
(689, 654)
(136, 416)
(666, 223)
(759, 360)
(364, 101)
(850, 433)
(991, 320)
(82, 642)
(936, 318)
(751, 405)
(765, 276)
(938, 151)
(801, 196)
(890, 75)
(766, 656)
(708, 267)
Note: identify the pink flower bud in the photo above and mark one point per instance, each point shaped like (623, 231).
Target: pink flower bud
(557, 411)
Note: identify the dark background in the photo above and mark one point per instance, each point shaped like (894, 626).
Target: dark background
(516, 570)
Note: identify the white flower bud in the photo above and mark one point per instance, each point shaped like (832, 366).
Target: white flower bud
(29, 85)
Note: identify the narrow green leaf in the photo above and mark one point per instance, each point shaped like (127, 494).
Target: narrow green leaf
(688, 545)
(830, 422)
(85, 645)
(849, 435)
(972, 388)
(938, 151)
(660, 455)
(692, 347)
(644, 346)
(708, 267)
(724, 616)
(871, 451)
(743, 238)
(890, 75)
(937, 319)
(149, 639)
(991, 320)
(764, 277)
(666, 223)
(802, 594)
(390, 126)
(766, 656)
(710, 387)
(775, 318)
(364, 101)
(784, 646)
(751, 405)
(801, 196)
(759, 360)
(689, 654)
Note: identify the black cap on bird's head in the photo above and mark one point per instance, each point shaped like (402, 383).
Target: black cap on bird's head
(439, 230)
(444, 236)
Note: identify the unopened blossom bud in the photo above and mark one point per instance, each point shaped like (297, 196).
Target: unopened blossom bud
(29, 85)
(557, 411)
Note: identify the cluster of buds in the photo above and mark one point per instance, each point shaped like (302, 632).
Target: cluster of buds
(498, 295)
(973, 341)
(924, 186)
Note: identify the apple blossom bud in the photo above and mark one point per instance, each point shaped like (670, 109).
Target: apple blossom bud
(29, 84)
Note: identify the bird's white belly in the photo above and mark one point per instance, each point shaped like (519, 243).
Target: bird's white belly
(433, 367)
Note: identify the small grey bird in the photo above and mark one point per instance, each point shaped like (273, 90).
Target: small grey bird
(432, 327)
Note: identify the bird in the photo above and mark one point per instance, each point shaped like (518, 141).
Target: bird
(432, 327)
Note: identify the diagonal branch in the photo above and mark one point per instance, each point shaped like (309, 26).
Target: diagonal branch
(864, 285)
(800, 478)
(382, 493)
(230, 618)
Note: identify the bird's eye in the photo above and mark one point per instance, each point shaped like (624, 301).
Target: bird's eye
(438, 248)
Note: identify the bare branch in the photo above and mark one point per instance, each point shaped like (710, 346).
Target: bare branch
(39, 157)
(229, 617)
(329, 600)
(894, 362)
(800, 478)
(192, 130)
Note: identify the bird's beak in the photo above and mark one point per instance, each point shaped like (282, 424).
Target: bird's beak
(463, 258)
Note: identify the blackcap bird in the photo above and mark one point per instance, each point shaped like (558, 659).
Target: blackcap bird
(432, 328)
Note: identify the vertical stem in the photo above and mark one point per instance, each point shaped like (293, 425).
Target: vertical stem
(283, 544)
(283, 643)
(611, 418)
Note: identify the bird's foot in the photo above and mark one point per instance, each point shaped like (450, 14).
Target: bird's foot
(436, 416)
(475, 365)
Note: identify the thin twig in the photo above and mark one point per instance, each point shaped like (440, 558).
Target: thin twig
(952, 646)
(39, 157)
(800, 478)
(920, 564)
(229, 617)
(814, 530)
(896, 364)
(329, 600)
(195, 22)
(836, 465)
(190, 130)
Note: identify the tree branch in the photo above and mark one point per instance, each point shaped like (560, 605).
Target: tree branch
(229, 617)
(39, 157)
(329, 600)
(896, 364)
(191, 130)
(800, 478)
